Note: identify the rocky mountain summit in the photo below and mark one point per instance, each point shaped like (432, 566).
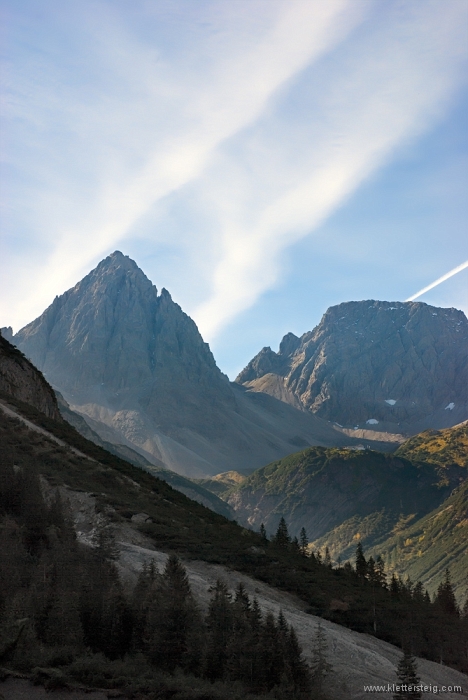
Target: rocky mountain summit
(20, 379)
(387, 366)
(134, 364)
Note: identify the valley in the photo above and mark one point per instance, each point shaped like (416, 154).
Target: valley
(141, 518)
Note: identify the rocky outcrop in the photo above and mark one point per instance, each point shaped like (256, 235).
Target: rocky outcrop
(392, 366)
(21, 380)
(134, 364)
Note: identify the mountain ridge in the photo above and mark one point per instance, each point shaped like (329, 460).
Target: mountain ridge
(402, 366)
(133, 362)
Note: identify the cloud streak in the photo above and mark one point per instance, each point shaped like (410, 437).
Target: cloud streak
(362, 113)
(268, 115)
(438, 281)
(155, 130)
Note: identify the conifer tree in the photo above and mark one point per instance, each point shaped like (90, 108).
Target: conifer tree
(105, 546)
(327, 560)
(251, 652)
(239, 662)
(361, 563)
(116, 622)
(263, 533)
(294, 546)
(395, 586)
(143, 594)
(408, 679)
(220, 620)
(303, 541)
(297, 669)
(271, 656)
(381, 578)
(371, 570)
(445, 597)
(320, 666)
(174, 621)
(282, 538)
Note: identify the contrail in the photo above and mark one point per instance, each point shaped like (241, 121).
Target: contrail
(439, 281)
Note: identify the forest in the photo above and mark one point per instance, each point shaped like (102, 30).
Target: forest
(65, 616)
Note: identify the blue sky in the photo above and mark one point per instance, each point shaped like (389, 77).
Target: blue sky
(261, 159)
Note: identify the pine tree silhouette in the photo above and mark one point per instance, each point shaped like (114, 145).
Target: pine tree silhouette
(303, 541)
(282, 538)
(408, 678)
(320, 665)
(445, 597)
(361, 563)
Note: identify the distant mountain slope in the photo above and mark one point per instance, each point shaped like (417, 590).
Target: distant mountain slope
(423, 549)
(389, 366)
(221, 483)
(418, 546)
(321, 489)
(195, 491)
(442, 447)
(133, 362)
(20, 379)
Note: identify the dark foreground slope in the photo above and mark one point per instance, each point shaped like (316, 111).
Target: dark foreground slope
(175, 523)
(387, 366)
(134, 364)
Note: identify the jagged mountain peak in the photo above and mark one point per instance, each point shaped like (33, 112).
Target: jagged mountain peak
(136, 366)
(369, 363)
(111, 336)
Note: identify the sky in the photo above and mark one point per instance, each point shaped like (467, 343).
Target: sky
(260, 159)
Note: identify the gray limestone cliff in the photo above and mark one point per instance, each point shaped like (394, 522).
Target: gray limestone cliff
(113, 340)
(401, 366)
(21, 380)
(134, 364)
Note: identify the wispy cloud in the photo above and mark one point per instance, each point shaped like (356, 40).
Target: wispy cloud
(369, 99)
(268, 113)
(137, 122)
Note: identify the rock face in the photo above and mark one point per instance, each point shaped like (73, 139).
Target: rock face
(136, 366)
(391, 366)
(21, 380)
(113, 340)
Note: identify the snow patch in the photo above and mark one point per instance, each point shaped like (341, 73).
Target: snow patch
(372, 421)
(450, 406)
(391, 402)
